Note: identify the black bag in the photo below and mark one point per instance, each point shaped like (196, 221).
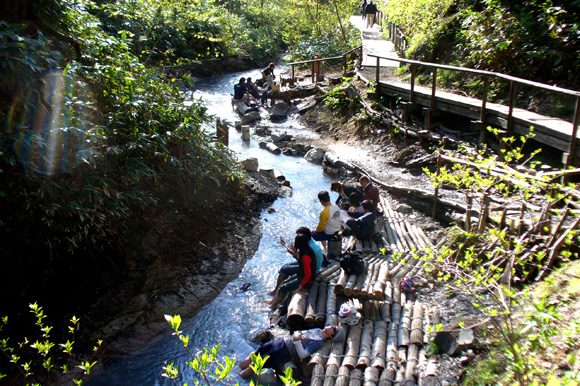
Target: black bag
(352, 263)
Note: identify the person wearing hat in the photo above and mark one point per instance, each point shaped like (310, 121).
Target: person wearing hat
(296, 348)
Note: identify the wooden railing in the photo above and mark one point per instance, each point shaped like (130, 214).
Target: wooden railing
(316, 68)
(397, 37)
(514, 83)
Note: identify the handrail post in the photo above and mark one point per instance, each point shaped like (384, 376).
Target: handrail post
(292, 74)
(572, 148)
(433, 88)
(512, 98)
(412, 92)
(484, 99)
(378, 74)
(345, 65)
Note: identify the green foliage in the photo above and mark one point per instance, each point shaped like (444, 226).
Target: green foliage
(40, 358)
(338, 98)
(488, 262)
(209, 369)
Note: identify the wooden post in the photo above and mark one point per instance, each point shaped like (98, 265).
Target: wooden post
(293, 74)
(512, 99)
(469, 200)
(484, 99)
(344, 60)
(436, 194)
(572, 149)
(433, 88)
(378, 72)
(412, 92)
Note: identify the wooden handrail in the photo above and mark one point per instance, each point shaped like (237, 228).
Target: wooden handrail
(484, 73)
(323, 59)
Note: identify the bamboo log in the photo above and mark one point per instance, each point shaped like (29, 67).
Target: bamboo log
(396, 291)
(311, 306)
(366, 343)
(371, 376)
(405, 326)
(320, 316)
(400, 378)
(368, 278)
(412, 360)
(331, 269)
(330, 375)
(352, 346)
(331, 316)
(350, 283)
(356, 377)
(296, 310)
(396, 314)
(416, 336)
(426, 324)
(317, 377)
(320, 357)
(341, 282)
(387, 376)
(389, 291)
(379, 345)
(402, 354)
(336, 352)
(381, 281)
(386, 311)
(343, 376)
(403, 298)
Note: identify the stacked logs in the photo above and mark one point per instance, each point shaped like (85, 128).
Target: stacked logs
(387, 344)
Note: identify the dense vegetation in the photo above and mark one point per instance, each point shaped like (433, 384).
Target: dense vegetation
(536, 40)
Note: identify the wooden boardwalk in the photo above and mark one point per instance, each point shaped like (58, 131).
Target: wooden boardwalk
(373, 43)
(551, 131)
(388, 343)
(554, 132)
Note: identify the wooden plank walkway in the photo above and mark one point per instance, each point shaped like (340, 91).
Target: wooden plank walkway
(388, 343)
(551, 131)
(373, 43)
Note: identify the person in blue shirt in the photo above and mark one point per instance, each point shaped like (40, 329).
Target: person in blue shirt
(293, 268)
(296, 348)
(363, 227)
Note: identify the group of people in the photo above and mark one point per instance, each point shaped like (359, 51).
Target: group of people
(369, 12)
(353, 213)
(247, 91)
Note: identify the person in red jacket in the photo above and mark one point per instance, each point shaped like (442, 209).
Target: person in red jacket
(306, 272)
(370, 191)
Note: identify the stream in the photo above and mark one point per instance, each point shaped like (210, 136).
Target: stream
(234, 316)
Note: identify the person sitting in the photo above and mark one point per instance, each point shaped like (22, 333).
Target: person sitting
(252, 88)
(344, 191)
(239, 92)
(355, 208)
(329, 220)
(370, 191)
(295, 348)
(268, 71)
(293, 268)
(363, 227)
(306, 271)
(268, 83)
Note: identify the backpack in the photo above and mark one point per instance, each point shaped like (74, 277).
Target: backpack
(352, 263)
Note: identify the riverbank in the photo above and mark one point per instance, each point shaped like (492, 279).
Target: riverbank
(184, 264)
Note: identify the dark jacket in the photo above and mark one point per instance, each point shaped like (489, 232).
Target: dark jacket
(371, 192)
(371, 8)
(364, 226)
(239, 91)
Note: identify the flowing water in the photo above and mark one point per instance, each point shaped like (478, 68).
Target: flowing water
(234, 316)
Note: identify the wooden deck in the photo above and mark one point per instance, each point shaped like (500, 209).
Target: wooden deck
(388, 344)
(551, 131)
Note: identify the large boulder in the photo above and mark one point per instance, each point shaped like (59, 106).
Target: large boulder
(279, 110)
(250, 117)
(315, 155)
(250, 164)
